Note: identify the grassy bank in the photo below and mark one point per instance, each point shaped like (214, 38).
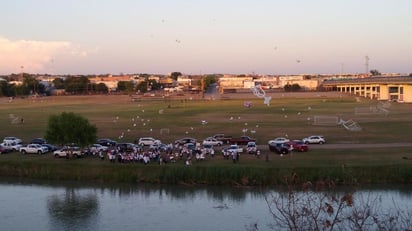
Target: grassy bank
(318, 165)
(171, 119)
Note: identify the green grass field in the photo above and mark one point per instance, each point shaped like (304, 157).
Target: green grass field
(168, 120)
(292, 117)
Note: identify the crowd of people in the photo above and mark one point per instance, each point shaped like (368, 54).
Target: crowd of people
(141, 154)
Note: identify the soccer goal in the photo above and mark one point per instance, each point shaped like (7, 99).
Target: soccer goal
(164, 131)
(366, 110)
(325, 120)
(350, 125)
(14, 119)
(383, 107)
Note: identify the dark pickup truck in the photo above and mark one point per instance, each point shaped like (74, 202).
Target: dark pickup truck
(243, 140)
(223, 138)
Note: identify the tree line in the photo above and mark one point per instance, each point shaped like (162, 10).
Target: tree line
(75, 85)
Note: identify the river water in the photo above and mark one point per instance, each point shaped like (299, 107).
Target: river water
(40, 205)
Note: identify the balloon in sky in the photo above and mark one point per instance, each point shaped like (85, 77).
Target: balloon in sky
(260, 93)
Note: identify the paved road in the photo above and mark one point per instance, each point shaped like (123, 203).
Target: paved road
(356, 146)
(350, 146)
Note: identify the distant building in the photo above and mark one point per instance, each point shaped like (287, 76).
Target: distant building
(381, 88)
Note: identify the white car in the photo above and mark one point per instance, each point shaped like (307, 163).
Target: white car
(279, 140)
(12, 146)
(251, 147)
(234, 148)
(148, 141)
(314, 140)
(94, 148)
(12, 139)
(212, 141)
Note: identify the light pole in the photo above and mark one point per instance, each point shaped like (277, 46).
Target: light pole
(21, 73)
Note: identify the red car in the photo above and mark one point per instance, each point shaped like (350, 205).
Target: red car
(298, 145)
(3, 149)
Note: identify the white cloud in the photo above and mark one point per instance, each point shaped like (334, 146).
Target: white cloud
(33, 56)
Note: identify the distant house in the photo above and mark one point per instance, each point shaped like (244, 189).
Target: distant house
(184, 81)
(234, 82)
(111, 81)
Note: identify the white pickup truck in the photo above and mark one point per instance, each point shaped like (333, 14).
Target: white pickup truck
(11, 146)
(34, 148)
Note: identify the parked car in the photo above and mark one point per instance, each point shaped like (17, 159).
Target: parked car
(106, 142)
(34, 149)
(3, 149)
(159, 146)
(298, 145)
(251, 147)
(185, 140)
(208, 149)
(279, 140)
(212, 141)
(243, 140)
(38, 141)
(234, 148)
(66, 151)
(12, 139)
(126, 147)
(314, 140)
(95, 148)
(147, 141)
(279, 148)
(12, 146)
(50, 147)
(222, 137)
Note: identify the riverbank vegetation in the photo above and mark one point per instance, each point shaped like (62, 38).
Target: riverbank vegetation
(249, 171)
(124, 119)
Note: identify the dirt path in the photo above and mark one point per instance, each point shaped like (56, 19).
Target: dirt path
(359, 146)
(350, 146)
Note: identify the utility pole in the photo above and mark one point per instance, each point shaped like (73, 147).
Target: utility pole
(367, 65)
(202, 86)
(21, 73)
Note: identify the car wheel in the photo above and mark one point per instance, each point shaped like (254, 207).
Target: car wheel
(321, 142)
(39, 152)
(24, 151)
(56, 155)
(75, 155)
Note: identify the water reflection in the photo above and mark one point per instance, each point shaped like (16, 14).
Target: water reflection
(72, 209)
(174, 192)
(53, 206)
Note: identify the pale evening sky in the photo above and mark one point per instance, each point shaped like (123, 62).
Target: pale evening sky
(204, 37)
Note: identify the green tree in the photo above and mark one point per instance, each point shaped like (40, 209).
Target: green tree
(68, 128)
(58, 83)
(32, 85)
(102, 88)
(76, 85)
(4, 88)
(292, 87)
(142, 86)
(208, 80)
(375, 72)
(175, 75)
(154, 85)
(125, 86)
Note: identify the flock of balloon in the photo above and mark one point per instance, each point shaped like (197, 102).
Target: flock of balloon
(257, 90)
